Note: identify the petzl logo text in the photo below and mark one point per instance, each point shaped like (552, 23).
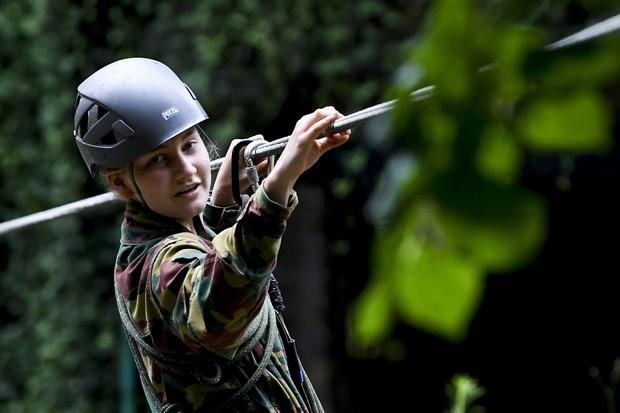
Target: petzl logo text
(169, 112)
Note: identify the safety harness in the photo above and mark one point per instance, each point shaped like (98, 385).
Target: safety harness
(208, 369)
(203, 369)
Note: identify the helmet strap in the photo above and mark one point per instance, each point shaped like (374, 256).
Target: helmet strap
(137, 188)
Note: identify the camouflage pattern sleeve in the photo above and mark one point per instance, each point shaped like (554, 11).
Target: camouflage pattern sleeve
(212, 292)
(217, 217)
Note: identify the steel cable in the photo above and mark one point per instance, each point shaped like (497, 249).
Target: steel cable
(603, 28)
(259, 151)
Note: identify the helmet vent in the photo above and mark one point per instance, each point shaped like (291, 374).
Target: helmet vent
(122, 131)
(82, 127)
(108, 139)
(95, 113)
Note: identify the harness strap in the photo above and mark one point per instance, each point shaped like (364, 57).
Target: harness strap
(129, 328)
(298, 373)
(271, 338)
(179, 363)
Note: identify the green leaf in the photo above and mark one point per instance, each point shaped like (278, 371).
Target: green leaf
(435, 288)
(497, 227)
(515, 42)
(371, 314)
(572, 123)
(586, 66)
(446, 53)
(499, 157)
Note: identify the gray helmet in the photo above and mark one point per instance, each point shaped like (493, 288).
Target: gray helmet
(128, 108)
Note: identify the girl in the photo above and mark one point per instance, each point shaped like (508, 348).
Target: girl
(195, 304)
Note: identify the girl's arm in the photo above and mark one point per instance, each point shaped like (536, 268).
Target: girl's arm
(222, 288)
(302, 151)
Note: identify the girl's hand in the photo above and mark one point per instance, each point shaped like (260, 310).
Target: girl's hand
(222, 188)
(302, 151)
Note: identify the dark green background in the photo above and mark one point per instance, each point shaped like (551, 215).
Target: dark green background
(541, 331)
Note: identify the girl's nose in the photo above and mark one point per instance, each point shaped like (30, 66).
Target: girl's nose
(184, 166)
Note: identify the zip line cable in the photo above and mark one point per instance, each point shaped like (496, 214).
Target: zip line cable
(58, 212)
(342, 124)
(599, 29)
(259, 151)
(603, 28)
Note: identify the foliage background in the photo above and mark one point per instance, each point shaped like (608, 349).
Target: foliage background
(534, 275)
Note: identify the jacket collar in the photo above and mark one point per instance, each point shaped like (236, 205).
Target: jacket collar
(142, 224)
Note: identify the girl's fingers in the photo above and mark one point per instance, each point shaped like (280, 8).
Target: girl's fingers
(310, 119)
(332, 141)
(341, 134)
(310, 127)
(315, 130)
(262, 167)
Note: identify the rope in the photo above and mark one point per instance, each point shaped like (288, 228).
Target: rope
(194, 365)
(603, 28)
(132, 334)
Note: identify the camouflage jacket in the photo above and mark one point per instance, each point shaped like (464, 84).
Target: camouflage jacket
(192, 294)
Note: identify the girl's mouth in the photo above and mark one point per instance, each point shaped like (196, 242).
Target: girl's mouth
(188, 191)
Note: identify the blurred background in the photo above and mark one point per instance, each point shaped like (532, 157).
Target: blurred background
(460, 248)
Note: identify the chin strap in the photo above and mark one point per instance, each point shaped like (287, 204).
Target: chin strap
(136, 187)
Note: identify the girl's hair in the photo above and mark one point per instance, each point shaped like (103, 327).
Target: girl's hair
(212, 149)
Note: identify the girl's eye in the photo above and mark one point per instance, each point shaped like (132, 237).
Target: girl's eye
(157, 159)
(190, 145)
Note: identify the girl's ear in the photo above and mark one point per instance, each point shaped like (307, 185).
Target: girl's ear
(117, 181)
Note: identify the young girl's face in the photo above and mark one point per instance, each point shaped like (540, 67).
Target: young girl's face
(175, 177)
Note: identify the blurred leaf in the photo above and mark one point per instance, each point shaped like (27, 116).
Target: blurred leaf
(577, 122)
(499, 157)
(435, 288)
(371, 314)
(580, 67)
(462, 214)
(453, 26)
(515, 44)
(497, 227)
